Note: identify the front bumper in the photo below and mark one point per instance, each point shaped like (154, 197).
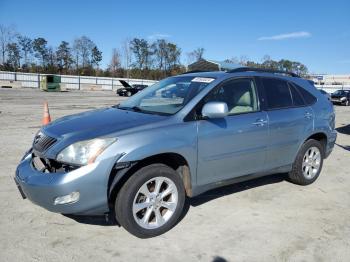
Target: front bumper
(121, 92)
(90, 181)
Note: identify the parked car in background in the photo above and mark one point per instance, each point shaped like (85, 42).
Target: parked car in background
(341, 97)
(129, 90)
(140, 160)
(326, 94)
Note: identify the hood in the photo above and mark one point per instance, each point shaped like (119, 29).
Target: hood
(124, 83)
(97, 123)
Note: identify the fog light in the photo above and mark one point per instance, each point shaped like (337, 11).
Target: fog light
(67, 199)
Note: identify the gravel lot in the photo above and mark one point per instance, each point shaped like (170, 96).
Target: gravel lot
(267, 219)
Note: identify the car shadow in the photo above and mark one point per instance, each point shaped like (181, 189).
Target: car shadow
(236, 188)
(94, 220)
(344, 147)
(190, 202)
(344, 129)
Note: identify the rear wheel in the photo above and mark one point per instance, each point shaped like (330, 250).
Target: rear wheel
(308, 163)
(347, 103)
(151, 201)
(128, 94)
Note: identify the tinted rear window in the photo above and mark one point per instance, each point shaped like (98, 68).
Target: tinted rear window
(277, 93)
(308, 98)
(297, 99)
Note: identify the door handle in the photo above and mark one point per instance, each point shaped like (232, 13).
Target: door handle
(260, 122)
(308, 115)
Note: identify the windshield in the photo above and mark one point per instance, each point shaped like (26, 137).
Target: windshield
(340, 93)
(166, 97)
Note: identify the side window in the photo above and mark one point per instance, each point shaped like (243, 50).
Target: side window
(308, 98)
(277, 93)
(297, 99)
(239, 95)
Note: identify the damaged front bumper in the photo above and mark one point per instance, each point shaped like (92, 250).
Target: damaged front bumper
(87, 184)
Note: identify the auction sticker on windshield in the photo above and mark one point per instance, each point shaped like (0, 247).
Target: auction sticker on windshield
(203, 79)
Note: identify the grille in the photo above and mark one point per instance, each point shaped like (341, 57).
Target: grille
(42, 142)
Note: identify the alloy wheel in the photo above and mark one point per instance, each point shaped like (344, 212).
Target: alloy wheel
(311, 162)
(155, 202)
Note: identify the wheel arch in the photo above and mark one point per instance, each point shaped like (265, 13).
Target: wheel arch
(118, 177)
(319, 136)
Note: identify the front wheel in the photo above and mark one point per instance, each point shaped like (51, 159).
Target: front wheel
(151, 201)
(308, 163)
(347, 103)
(128, 94)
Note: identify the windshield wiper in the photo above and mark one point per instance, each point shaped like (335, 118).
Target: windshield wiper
(132, 108)
(141, 110)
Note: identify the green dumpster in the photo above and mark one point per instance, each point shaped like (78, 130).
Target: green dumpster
(50, 83)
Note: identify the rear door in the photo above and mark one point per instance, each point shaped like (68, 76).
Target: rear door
(289, 120)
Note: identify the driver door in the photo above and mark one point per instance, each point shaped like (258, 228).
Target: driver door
(235, 145)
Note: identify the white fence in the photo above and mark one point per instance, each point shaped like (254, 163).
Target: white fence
(69, 82)
(332, 88)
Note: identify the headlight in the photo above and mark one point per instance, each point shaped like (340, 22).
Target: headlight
(84, 152)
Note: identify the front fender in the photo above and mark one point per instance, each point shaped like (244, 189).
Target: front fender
(179, 138)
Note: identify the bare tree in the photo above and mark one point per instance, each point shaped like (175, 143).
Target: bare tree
(195, 55)
(265, 58)
(82, 47)
(7, 33)
(160, 51)
(127, 55)
(115, 63)
(243, 60)
(233, 60)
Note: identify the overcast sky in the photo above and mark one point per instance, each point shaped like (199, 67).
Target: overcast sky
(316, 33)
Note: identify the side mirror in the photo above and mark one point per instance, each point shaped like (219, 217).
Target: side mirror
(215, 110)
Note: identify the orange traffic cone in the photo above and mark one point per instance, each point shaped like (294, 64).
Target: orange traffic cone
(46, 117)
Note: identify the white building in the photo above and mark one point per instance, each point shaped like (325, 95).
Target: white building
(330, 83)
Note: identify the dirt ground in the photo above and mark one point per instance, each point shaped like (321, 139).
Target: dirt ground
(267, 219)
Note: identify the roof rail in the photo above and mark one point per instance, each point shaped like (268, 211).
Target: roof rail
(194, 71)
(264, 70)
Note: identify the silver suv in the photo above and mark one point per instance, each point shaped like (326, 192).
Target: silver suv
(183, 136)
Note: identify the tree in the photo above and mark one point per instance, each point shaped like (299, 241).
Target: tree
(64, 57)
(172, 56)
(198, 53)
(243, 60)
(115, 63)
(14, 56)
(232, 60)
(40, 49)
(160, 50)
(195, 55)
(26, 46)
(51, 60)
(142, 53)
(96, 56)
(83, 48)
(7, 33)
(126, 49)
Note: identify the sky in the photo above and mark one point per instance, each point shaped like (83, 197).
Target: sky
(315, 33)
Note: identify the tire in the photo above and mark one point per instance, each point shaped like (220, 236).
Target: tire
(304, 171)
(138, 201)
(347, 103)
(128, 94)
